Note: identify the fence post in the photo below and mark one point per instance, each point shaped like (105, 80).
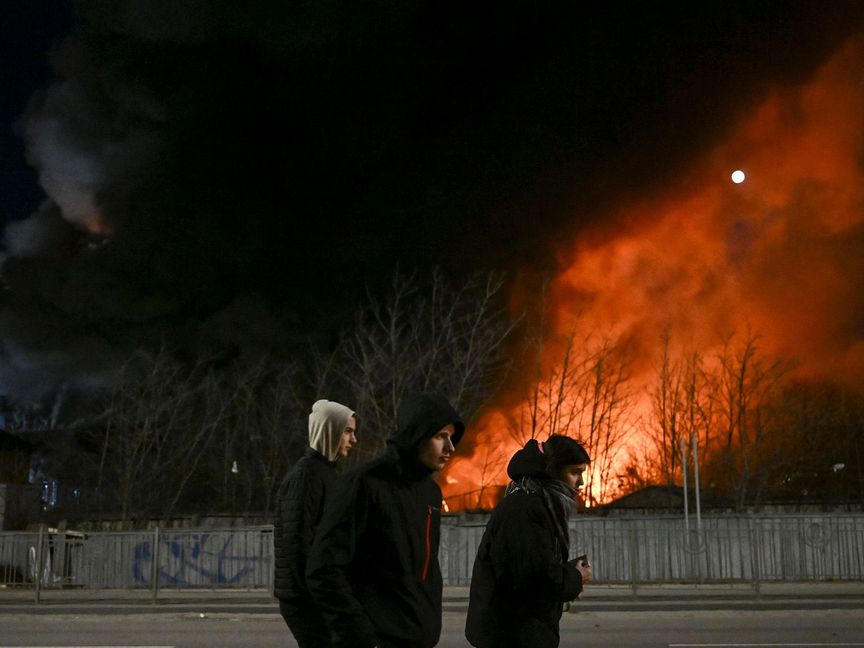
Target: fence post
(269, 541)
(634, 561)
(154, 567)
(39, 560)
(755, 545)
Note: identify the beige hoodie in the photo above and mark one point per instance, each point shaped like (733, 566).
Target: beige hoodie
(327, 421)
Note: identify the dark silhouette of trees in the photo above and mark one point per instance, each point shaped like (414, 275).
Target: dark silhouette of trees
(178, 433)
(175, 434)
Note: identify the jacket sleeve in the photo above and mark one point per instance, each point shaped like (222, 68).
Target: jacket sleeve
(333, 552)
(529, 554)
(300, 504)
(308, 503)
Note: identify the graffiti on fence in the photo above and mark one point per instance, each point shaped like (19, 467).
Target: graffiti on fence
(816, 535)
(197, 560)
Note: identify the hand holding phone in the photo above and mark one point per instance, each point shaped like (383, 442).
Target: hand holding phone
(583, 567)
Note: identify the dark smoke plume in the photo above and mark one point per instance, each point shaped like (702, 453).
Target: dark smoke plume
(259, 163)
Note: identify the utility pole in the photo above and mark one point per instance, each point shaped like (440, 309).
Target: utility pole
(684, 475)
(695, 444)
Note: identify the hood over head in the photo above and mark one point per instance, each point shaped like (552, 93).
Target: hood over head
(327, 421)
(420, 416)
(530, 461)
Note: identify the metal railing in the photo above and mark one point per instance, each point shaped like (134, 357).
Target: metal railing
(149, 560)
(727, 549)
(629, 550)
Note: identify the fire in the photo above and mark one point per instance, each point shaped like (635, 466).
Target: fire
(779, 253)
(93, 223)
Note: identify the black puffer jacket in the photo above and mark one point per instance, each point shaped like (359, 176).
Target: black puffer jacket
(374, 569)
(521, 575)
(301, 504)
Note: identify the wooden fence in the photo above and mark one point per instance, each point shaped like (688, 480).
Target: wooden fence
(633, 550)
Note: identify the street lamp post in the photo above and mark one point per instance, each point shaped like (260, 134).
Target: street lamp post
(695, 444)
(684, 478)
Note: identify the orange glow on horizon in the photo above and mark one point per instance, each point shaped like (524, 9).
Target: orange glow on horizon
(779, 253)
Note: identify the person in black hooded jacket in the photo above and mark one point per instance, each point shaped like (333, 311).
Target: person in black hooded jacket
(373, 570)
(301, 500)
(522, 575)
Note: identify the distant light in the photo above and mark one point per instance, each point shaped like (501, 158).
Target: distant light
(838, 467)
(234, 468)
(738, 176)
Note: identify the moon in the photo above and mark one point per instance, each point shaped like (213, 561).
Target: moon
(738, 176)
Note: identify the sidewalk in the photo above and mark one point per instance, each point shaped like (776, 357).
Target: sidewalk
(732, 596)
(596, 598)
(678, 597)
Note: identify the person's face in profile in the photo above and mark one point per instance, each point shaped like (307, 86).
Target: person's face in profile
(348, 438)
(435, 452)
(573, 475)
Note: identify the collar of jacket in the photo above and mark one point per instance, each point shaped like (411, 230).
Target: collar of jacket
(312, 452)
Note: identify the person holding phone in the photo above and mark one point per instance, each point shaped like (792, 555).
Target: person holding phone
(522, 576)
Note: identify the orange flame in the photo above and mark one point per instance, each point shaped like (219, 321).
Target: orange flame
(780, 253)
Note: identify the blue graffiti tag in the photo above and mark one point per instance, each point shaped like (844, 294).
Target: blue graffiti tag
(190, 562)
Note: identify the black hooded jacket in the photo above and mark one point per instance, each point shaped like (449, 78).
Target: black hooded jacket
(521, 574)
(373, 570)
(301, 504)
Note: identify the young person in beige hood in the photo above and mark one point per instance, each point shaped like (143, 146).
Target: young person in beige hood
(332, 428)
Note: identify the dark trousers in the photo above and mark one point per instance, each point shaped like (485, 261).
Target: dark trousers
(305, 623)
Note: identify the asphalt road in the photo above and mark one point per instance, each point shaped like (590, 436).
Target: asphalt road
(691, 629)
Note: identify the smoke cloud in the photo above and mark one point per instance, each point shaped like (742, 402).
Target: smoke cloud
(217, 161)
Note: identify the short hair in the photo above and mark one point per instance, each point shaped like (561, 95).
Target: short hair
(562, 451)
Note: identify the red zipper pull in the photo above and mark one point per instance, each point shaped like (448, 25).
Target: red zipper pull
(428, 542)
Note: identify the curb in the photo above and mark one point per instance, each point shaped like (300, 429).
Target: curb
(204, 608)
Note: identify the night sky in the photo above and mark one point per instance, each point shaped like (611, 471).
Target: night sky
(208, 169)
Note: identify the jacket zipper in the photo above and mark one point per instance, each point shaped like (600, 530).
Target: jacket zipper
(428, 542)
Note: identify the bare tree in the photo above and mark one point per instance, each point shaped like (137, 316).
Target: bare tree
(557, 400)
(854, 419)
(682, 410)
(156, 429)
(746, 384)
(440, 337)
(666, 400)
(220, 436)
(586, 396)
(280, 434)
(263, 434)
(699, 410)
(610, 417)
(812, 450)
(490, 465)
